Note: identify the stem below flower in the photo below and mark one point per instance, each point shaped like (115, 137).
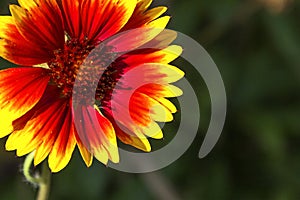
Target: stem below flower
(44, 184)
(26, 170)
(42, 181)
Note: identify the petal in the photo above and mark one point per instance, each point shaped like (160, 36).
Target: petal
(154, 13)
(64, 145)
(41, 130)
(20, 90)
(95, 19)
(85, 153)
(134, 138)
(57, 122)
(143, 110)
(162, 41)
(141, 16)
(96, 133)
(106, 18)
(143, 4)
(133, 39)
(71, 15)
(139, 117)
(143, 105)
(166, 103)
(159, 92)
(41, 25)
(153, 131)
(142, 27)
(114, 17)
(155, 90)
(27, 4)
(159, 23)
(128, 133)
(163, 56)
(135, 77)
(15, 48)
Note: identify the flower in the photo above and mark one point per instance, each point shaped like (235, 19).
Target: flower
(56, 43)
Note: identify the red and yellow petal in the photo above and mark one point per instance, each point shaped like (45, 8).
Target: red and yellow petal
(157, 91)
(71, 14)
(143, 112)
(35, 126)
(114, 16)
(20, 90)
(133, 39)
(27, 4)
(16, 49)
(142, 28)
(141, 16)
(127, 131)
(159, 73)
(86, 155)
(160, 42)
(64, 145)
(48, 130)
(143, 105)
(153, 130)
(163, 56)
(167, 104)
(96, 133)
(41, 25)
(128, 134)
(48, 134)
(144, 4)
(160, 92)
(139, 118)
(95, 19)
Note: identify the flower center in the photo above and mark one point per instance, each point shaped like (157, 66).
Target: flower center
(90, 66)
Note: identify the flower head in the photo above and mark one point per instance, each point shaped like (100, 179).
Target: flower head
(80, 62)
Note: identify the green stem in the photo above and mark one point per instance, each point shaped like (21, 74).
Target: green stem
(44, 186)
(42, 181)
(26, 169)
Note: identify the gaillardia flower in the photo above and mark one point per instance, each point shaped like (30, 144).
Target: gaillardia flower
(58, 42)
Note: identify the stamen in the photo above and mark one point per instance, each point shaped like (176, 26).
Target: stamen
(89, 64)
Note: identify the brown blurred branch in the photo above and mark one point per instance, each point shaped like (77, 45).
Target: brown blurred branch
(160, 186)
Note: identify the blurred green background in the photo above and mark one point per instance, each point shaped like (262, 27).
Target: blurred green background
(256, 45)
